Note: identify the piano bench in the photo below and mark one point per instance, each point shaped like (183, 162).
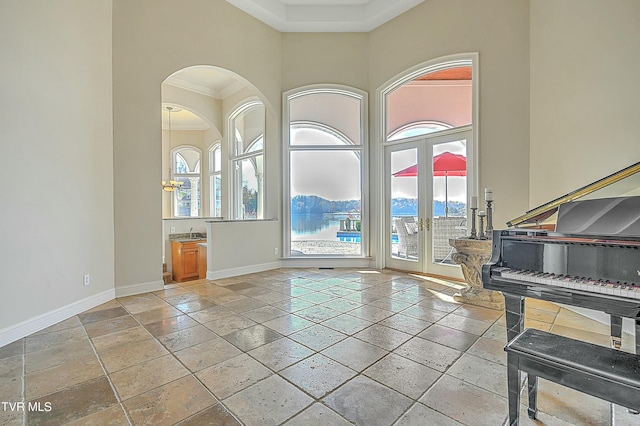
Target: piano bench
(599, 371)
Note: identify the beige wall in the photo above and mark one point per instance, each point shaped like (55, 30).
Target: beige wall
(56, 215)
(152, 39)
(326, 58)
(584, 92)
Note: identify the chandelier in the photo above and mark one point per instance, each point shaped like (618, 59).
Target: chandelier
(170, 184)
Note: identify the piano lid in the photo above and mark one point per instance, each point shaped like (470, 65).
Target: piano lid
(625, 182)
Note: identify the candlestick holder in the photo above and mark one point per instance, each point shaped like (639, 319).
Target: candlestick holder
(473, 235)
(489, 230)
(481, 235)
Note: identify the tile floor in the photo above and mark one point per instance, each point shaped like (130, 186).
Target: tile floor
(289, 346)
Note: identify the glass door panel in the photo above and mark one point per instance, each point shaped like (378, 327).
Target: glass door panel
(448, 183)
(405, 207)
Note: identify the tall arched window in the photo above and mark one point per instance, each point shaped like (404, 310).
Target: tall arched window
(215, 180)
(247, 161)
(186, 163)
(324, 149)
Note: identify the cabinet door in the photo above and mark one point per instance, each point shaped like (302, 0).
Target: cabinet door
(190, 261)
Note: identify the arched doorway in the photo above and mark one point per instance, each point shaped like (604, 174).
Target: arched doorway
(197, 147)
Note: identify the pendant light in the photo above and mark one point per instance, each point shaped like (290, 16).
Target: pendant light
(170, 184)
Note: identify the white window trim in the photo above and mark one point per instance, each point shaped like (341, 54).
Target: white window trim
(364, 163)
(173, 153)
(380, 111)
(229, 181)
(212, 174)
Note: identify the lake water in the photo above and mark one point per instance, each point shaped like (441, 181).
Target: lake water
(315, 227)
(321, 227)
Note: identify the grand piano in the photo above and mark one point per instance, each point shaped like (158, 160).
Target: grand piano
(590, 257)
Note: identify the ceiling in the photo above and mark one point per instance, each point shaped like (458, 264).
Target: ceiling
(325, 15)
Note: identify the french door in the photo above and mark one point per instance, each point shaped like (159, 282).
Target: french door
(425, 202)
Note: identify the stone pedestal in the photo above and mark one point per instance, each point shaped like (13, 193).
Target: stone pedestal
(471, 255)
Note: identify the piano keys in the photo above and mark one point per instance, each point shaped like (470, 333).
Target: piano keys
(591, 285)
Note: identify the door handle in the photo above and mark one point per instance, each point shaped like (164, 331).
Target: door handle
(422, 224)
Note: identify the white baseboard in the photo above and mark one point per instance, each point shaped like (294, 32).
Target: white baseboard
(32, 325)
(242, 270)
(130, 290)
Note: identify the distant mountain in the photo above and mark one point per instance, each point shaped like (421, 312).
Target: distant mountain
(312, 204)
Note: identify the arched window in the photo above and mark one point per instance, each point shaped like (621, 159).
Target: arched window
(215, 180)
(186, 199)
(324, 147)
(429, 100)
(247, 161)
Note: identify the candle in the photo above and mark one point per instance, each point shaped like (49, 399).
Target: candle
(474, 202)
(481, 213)
(488, 194)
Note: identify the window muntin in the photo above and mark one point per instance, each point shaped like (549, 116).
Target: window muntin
(417, 129)
(215, 180)
(247, 161)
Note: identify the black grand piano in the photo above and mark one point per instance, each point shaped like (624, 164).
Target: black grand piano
(590, 258)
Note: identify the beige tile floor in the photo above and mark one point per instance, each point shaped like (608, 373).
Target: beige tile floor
(289, 346)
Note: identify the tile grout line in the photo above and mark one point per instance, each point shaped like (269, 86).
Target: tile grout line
(191, 373)
(106, 374)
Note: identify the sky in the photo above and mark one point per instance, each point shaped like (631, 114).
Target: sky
(335, 175)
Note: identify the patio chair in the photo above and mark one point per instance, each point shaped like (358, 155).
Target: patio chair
(407, 230)
(460, 231)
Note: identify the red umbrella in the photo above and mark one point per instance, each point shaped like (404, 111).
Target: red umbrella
(445, 164)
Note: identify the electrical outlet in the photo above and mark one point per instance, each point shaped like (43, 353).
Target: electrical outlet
(173, 230)
(275, 250)
(86, 279)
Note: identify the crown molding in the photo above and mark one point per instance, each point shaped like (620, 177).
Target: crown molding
(218, 93)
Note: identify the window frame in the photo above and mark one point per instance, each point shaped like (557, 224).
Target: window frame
(360, 149)
(381, 131)
(213, 173)
(180, 177)
(234, 185)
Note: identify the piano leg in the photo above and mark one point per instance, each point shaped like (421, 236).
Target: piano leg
(532, 388)
(513, 389)
(514, 313)
(637, 352)
(637, 336)
(616, 331)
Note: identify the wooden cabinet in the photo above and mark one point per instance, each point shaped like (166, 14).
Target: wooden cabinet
(184, 260)
(202, 261)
